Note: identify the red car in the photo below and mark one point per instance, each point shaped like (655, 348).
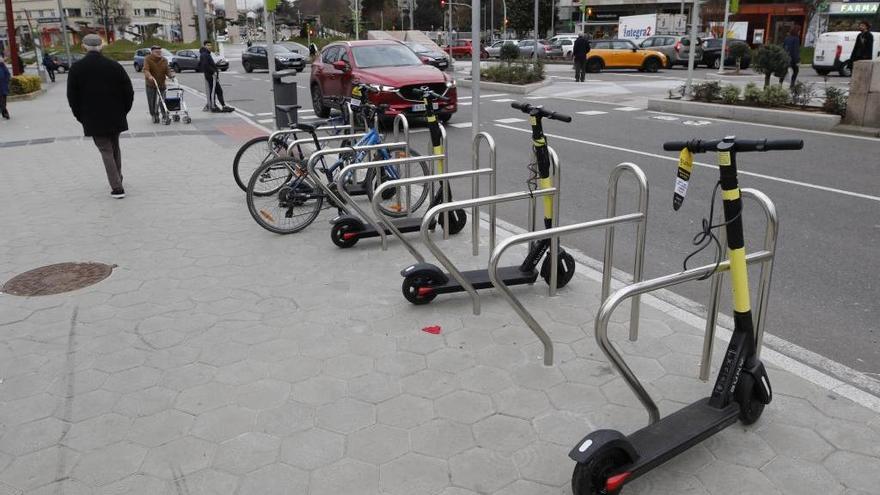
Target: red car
(459, 49)
(388, 64)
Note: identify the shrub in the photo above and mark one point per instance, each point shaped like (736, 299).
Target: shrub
(24, 84)
(516, 73)
(752, 94)
(835, 101)
(775, 96)
(509, 52)
(737, 52)
(707, 91)
(803, 93)
(730, 94)
(771, 60)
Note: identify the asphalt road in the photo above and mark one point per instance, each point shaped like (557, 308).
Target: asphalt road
(824, 293)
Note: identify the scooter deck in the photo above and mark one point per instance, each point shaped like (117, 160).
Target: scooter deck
(405, 225)
(356, 189)
(511, 275)
(681, 430)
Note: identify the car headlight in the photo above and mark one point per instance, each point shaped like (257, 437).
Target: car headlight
(450, 84)
(387, 89)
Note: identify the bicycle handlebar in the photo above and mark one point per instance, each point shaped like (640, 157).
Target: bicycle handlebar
(538, 111)
(739, 145)
(426, 92)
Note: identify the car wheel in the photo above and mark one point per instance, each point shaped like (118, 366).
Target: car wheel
(651, 64)
(743, 65)
(247, 67)
(318, 102)
(716, 63)
(137, 68)
(594, 64)
(823, 72)
(224, 70)
(175, 67)
(845, 71)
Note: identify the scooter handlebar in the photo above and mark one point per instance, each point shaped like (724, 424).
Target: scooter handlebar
(740, 145)
(540, 112)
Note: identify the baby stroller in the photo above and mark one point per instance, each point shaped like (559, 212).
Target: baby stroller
(172, 106)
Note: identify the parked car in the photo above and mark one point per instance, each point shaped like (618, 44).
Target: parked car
(712, 54)
(560, 37)
(63, 62)
(255, 58)
(494, 50)
(140, 53)
(623, 54)
(833, 51)
(527, 49)
(459, 48)
(439, 60)
(389, 65)
(294, 47)
(676, 48)
(561, 48)
(189, 60)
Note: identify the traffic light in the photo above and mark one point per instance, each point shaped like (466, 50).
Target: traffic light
(442, 4)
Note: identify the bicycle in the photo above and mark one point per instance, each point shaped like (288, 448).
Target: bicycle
(284, 198)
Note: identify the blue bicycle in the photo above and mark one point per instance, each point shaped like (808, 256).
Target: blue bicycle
(284, 198)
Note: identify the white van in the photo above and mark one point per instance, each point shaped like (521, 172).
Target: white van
(833, 50)
(562, 45)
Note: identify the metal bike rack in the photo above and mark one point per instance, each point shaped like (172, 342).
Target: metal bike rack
(318, 155)
(495, 199)
(474, 174)
(345, 127)
(764, 257)
(609, 223)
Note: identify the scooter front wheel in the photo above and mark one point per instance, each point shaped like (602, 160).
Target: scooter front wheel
(750, 405)
(457, 221)
(591, 477)
(344, 233)
(564, 269)
(414, 288)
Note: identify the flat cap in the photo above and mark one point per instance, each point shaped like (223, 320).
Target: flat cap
(92, 40)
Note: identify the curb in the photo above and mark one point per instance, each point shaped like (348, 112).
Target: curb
(789, 118)
(522, 89)
(858, 130)
(28, 96)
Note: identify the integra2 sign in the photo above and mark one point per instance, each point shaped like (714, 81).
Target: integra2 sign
(637, 27)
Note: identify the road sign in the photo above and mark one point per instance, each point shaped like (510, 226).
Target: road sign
(48, 20)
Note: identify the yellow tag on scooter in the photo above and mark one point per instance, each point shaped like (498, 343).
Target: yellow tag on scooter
(685, 168)
(356, 91)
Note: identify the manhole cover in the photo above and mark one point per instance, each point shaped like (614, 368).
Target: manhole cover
(58, 278)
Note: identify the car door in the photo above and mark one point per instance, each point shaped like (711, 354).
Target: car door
(629, 54)
(602, 50)
(346, 77)
(262, 59)
(184, 60)
(331, 77)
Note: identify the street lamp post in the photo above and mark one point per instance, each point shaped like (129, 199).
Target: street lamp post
(724, 38)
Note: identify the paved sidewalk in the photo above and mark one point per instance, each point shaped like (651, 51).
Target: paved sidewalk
(219, 358)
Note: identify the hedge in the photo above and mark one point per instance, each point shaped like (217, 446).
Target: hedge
(24, 84)
(123, 50)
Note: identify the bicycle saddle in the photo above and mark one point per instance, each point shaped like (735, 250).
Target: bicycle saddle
(310, 128)
(288, 108)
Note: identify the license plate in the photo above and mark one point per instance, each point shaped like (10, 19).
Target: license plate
(820, 58)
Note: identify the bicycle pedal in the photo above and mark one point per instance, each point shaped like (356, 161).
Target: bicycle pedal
(267, 216)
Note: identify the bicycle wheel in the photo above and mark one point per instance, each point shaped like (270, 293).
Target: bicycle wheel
(394, 201)
(251, 155)
(282, 198)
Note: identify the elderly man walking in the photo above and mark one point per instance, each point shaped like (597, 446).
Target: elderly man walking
(156, 70)
(100, 94)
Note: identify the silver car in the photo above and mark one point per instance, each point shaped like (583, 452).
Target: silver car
(676, 48)
(494, 50)
(527, 49)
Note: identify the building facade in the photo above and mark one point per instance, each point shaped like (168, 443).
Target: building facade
(599, 18)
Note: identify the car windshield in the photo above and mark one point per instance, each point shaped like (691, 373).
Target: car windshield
(384, 56)
(280, 50)
(419, 48)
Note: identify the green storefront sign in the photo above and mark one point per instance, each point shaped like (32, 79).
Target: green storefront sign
(854, 8)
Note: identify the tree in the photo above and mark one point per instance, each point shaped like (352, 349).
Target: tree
(428, 15)
(771, 60)
(521, 14)
(107, 12)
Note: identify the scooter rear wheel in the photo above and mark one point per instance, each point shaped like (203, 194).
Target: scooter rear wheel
(339, 231)
(590, 478)
(564, 270)
(457, 221)
(412, 284)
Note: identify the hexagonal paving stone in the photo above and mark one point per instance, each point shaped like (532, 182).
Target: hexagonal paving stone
(450, 360)
(87, 405)
(796, 442)
(346, 476)
(319, 390)
(850, 436)
(286, 419)
(504, 434)
(203, 398)
(400, 363)
(802, 477)
(740, 446)
(421, 343)
(544, 463)
(413, 474)
(430, 384)
(485, 380)
(224, 423)
(442, 438)
(242, 372)
(31, 437)
(132, 380)
(263, 394)
(37, 406)
(312, 448)
(374, 387)
(145, 402)
(67, 487)
(38, 468)
(856, 471)
(188, 376)
(537, 376)
(465, 407)
(97, 432)
(223, 354)
(121, 360)
(346, 415)
(523, 487)
(378, 444)
(575, 397)
(179, 457)
(521, 402)
(109, 464)
(277, 479)
(348, 366)
(482, 470)
(562, 427)
(204, 482)
(405, 411)
(247, 452)
(724, 477)
(152, 431)
(274, 350)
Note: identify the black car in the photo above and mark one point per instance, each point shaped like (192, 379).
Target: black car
(63, 62)
(712, 54)
(436, 58)
(189, 60)
(255, 58)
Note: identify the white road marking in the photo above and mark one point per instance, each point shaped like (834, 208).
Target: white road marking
(264, 114)
(266, 121)
(510, 120)
(536, 97)
(461, 125)
(592, 112)
(464, 103)
(308, 117)
(664, 117)
(627, 109)
(504, 100)
(245, 112)
(492, 95)
(706, 165)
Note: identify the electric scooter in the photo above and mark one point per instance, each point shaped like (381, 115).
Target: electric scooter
(348, 229)
(424, 281)
(607, 459)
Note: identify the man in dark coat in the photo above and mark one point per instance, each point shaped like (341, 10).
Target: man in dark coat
(212, 79)
(579, 53)
(5, 77)
(100, 94)
(792, 46)
(864, 47)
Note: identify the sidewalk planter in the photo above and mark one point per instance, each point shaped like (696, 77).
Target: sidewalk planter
(25, 87)
(788, 118)
(522, 89)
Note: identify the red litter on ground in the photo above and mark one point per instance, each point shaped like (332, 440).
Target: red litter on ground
(432, 330)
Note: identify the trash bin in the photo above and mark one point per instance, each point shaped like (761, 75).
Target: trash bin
(284, 90)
